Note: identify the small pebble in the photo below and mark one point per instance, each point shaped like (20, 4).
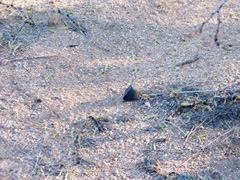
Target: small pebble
(147, 104)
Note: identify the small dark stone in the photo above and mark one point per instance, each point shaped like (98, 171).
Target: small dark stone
(73, 45)
(38, 100)
(78, 160)
(131, 94)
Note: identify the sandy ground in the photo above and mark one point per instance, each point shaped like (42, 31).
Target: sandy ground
(45, 132)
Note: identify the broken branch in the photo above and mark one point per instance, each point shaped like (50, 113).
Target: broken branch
(218, 25)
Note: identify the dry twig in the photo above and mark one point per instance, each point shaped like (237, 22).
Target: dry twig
(97, 123)
(218, 25)
(189, 61)
(194, 128)
(78, 26)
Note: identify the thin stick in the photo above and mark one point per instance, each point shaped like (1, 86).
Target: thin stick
(27, 59)
(218, 25)
(79, 26)
(189, 134)
(32, 58)
(217, 30)
(189, 61)
(19, 31)
(18, 149)
(83, 30)
(236, 84)
(176, 127)
(97, 123)
(217, 11)
(200, 91)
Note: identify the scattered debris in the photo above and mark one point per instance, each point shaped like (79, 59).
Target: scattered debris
(160, 140)
(197, 91)
(28, 18)
(87, 142)
(176, 176)
(200, 108)
(124, 119)
(78, 26)
(81, 161)
(151, 166)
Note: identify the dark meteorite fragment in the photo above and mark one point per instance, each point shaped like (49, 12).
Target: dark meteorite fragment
(131, 94)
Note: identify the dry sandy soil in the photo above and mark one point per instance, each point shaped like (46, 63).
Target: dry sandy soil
(45, 103)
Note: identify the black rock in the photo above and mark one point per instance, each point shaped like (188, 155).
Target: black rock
(131, 94)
